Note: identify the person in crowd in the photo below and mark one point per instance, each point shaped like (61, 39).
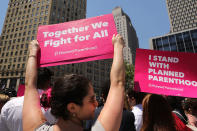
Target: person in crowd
(135, 102)
(180, 126)
(3, 99)
(127, 123)
(104, 92)
(46, 106)
(177, 109)
(73, 98)
(190, 108)
(45, 99)
(100, 101)
(157, 114)
(8, 91)
(11, 114)
(128, 118)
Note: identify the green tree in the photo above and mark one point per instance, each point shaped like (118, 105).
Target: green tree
(129, 70)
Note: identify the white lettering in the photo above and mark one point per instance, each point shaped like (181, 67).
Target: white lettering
(96, 34)
(64, 32)
(105, 24)
(97, 25)
(165, 59)
(150, 77)
(45, 34)
(57, 43)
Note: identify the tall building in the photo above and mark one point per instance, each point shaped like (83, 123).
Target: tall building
(20, 27)
(99, 71)
(182, 41)
(183, 33)
(182, 14)
(125, 28)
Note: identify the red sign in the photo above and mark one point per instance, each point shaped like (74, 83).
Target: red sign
(164, 72)
(21, 90)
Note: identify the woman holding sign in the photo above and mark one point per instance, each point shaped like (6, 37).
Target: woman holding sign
(73, 99)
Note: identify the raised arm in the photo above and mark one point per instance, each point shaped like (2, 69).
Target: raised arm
(111, 115)
(32, 114)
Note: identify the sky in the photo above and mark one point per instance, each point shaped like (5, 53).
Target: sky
(148, 17)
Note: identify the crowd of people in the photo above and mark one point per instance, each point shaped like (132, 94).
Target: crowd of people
(71, 105)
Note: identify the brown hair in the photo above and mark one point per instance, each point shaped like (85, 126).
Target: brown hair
(157, 115)
(126, 102)
(72, 88)
(4, 98)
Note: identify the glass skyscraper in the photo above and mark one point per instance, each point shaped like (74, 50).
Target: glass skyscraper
(185, 41)
(183, 28)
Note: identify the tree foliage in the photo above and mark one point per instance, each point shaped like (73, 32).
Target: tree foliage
(129, 70)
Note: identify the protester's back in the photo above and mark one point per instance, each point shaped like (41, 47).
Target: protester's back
(11, 118)
(135, 101)
(3, 99)
(157, 115)
(11, 115)
(175, 103)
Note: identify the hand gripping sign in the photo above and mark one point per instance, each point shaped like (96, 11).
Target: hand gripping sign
(167, 73)
(76, 41)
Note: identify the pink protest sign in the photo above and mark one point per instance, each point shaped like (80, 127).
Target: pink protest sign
(164, 72)
(75, 40)
(105, 56)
